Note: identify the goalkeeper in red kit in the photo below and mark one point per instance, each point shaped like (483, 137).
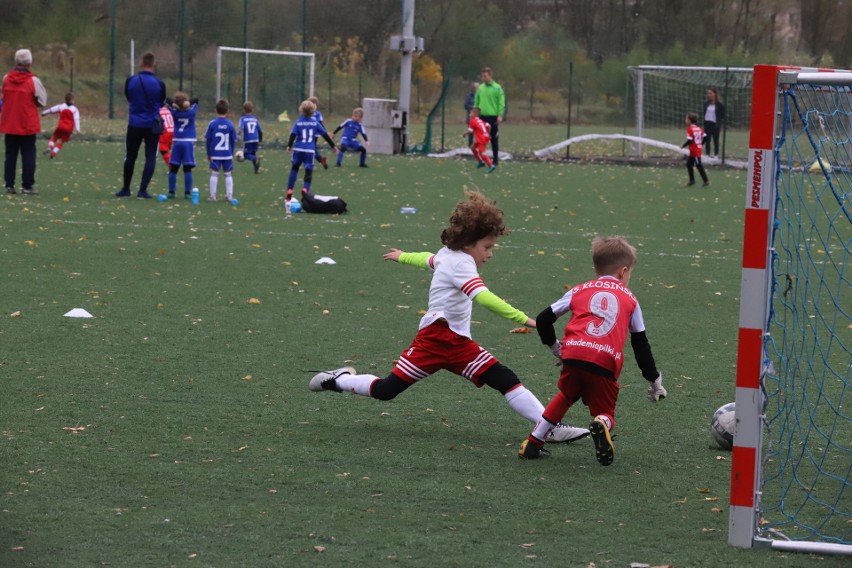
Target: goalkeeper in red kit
(695, 141)
(603, 311)
(481, 136)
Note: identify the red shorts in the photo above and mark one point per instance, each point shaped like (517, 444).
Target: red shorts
(166, 141)
(64, 135)
(438, 347)
(597, 392)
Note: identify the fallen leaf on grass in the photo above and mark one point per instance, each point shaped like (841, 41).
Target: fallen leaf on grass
(252, 301)
(75, 430)
(681, 501)
(528, 545)
(319, 548)
(520, 330)
(708, 530)
(717, 510)
(15, 314)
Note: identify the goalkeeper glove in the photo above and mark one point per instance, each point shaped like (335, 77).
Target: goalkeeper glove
(656, 390)
(556, 349)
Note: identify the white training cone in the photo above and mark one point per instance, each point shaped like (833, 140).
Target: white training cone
(325, 260)
(78, 313)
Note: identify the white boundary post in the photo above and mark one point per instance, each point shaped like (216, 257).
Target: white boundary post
(245, 50)
(638, 150)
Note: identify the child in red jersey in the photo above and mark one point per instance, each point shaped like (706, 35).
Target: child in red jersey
(695, 140)
(168, 133)
(481, 136)
(444, 340)
(69, 122)
(603, 311)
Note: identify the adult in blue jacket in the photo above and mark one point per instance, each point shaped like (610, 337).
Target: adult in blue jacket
(145, 94)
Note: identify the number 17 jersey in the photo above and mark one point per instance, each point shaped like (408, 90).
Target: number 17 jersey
(603, 311)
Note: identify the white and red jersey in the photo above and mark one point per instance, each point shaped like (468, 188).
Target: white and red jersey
(480, 129)
(695, 136)
(69, 117)
(454, 285)
(168, 129)
(603, 311)
(168, 121)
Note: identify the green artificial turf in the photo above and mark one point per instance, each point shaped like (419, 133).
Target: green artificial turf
(175, 428)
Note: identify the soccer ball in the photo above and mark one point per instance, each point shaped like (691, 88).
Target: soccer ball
(295, 206)
(722, 426)
(240, 156)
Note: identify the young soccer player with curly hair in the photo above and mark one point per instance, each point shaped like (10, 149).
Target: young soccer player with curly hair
(444, 339)
(603, 311)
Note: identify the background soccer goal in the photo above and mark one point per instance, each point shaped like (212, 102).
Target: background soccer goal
(275, 81)
(792, 455)
(664, 94)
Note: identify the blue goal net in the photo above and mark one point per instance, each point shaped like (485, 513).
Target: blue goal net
(807, 453)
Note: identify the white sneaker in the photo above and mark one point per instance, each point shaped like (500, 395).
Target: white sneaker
(566, 433)
(327, 380)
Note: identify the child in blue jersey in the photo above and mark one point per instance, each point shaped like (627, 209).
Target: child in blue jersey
(351, 128)
(303, 145)
(318, 115)
(220, 139)
(183, 144)
(251, 135)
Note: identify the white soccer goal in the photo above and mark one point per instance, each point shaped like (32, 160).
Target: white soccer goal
(792, 456)
(271, 76)
(664, 94)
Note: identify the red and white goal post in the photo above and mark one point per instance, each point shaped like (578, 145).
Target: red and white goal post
(792, 455)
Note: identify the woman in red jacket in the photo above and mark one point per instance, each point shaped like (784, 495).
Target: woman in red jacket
(23, 94)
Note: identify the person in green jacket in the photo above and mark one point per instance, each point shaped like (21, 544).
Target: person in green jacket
(491, 101)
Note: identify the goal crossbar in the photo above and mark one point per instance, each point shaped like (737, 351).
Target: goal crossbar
(245, 50)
